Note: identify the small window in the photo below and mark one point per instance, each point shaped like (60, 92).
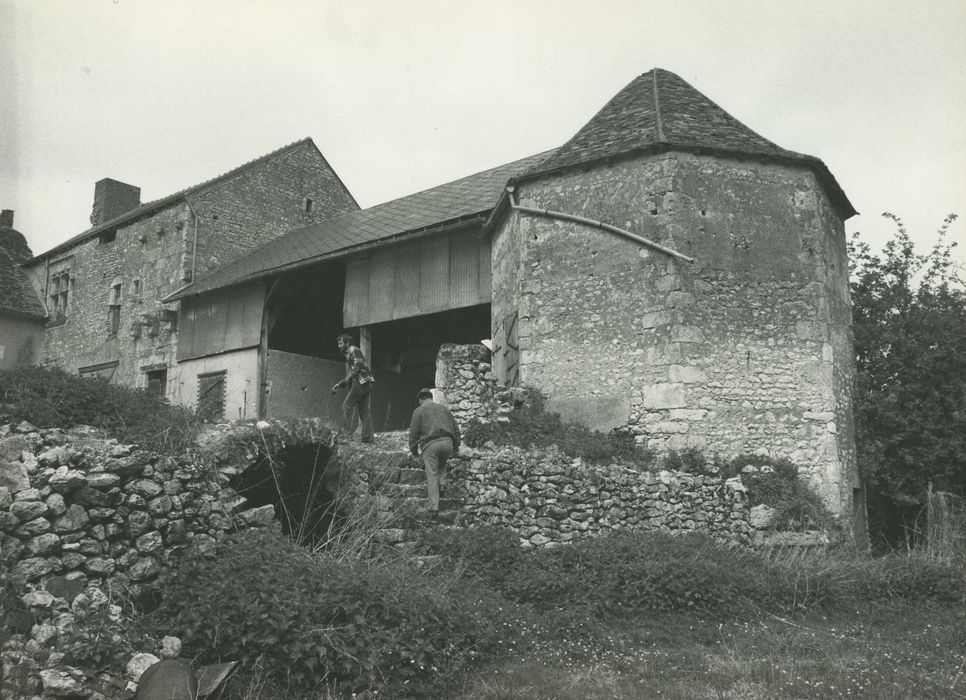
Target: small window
(308, 206)
(60, 286)
(114, 310)
(136, 289)
(157, 381)
(104, 370)
(211, 395)
(108, 236)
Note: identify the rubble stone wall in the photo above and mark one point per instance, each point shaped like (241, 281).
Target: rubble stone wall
(552, 499)
(83, 508)
(465, 383)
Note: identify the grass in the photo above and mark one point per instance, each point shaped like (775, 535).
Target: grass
(897, 651)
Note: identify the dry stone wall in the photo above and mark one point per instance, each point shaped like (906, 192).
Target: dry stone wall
(551, 499)
(465, 383)
(79, 508)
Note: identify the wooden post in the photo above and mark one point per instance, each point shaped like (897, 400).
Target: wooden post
(365, 343)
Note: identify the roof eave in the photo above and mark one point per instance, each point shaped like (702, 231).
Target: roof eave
(836, 194)
(441, 227)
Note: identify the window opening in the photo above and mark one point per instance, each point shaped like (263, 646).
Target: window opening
(60, 284)
(104, 370)
(114, 310)
(308, 206)
(108, 236)
(211, 395)
(157, 381)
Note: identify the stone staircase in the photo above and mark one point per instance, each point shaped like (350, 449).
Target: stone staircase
(398, 483)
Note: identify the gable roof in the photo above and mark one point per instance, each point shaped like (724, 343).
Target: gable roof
(660, 111)
(17, 294)
(149, 208)
(445, 205)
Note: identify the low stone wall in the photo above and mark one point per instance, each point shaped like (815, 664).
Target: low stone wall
(551, 499)
(465, 383)
(75, 506)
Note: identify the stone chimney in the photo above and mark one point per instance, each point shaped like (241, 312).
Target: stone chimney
(12, 241)
(113, 198)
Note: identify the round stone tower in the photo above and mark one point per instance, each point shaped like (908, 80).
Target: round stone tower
(746, 349)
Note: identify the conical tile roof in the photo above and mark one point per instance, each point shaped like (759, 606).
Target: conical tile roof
(660, 111)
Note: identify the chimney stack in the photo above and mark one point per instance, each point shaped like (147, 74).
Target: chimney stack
(6, 218)
(113, 198)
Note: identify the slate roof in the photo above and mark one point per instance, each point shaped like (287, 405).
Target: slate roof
(660, 111)
(467, 197)
(150, 207)
(17, 294)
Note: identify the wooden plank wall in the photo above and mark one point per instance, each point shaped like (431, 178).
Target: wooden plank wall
(449, 271)
(220, 322)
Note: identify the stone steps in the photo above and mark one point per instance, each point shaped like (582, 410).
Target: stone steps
(399, 482)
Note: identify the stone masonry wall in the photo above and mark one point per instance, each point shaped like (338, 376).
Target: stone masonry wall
(465, 383)
(552, 499)
(746, 350)
(79, 508)
(260, 204)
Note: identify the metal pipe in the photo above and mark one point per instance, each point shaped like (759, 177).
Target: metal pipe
(598, 224)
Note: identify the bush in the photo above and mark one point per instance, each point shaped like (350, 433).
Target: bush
(309, 617)
(541, 429)
(51, 398)
(775, 482)
(626, 572)
(613, 574)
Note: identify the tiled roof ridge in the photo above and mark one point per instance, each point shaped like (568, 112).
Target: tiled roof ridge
(154, 204)
(657, 108)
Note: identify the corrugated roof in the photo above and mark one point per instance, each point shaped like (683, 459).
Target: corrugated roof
(17, 294)
(661, 111)
(151, 207)
(467, 197)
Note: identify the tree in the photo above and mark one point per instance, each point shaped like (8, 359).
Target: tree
(909, 318)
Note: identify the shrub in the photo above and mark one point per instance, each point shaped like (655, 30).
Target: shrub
(309, 617)
(613, 574)
(775, 482)
(539, 428)
(51, 398)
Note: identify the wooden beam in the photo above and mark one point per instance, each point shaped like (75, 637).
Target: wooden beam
(365, 343)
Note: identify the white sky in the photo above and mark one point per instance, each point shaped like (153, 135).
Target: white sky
(404, 95)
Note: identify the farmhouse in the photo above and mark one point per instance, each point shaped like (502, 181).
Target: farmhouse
(666, 272)
(102, 287)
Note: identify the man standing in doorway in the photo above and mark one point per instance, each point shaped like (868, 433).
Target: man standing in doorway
(434, 433)
(358, 377)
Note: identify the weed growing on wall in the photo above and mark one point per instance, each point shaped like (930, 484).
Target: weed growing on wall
(533, 426)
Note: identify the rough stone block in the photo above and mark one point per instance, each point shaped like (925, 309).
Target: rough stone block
(671, 395)
(687, 334)
(686, 374)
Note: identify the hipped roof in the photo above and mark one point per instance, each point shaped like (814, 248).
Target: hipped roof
(17, 295)
(660, 111)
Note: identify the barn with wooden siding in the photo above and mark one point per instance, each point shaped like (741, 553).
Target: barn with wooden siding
(257, 337)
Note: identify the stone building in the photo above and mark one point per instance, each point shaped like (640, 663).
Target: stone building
(102, 288)
(22, 314)
(667, 272)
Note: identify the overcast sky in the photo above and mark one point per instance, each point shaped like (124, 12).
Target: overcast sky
(404, 95)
